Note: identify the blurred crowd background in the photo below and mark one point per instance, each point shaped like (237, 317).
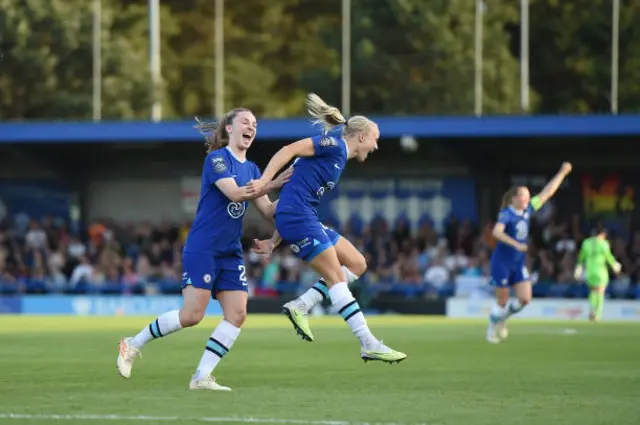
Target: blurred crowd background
(40, 257)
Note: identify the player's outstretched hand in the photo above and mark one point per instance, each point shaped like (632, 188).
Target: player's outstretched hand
(255, 187)
(566, 168)
(264, 247)
(617, 268)
(522, 247)
(283, 178)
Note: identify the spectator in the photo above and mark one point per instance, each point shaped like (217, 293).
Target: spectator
(142, 257)
(36, 237)
(437, 275)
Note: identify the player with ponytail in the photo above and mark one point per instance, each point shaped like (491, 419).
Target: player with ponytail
(317, 169)
(212, 258)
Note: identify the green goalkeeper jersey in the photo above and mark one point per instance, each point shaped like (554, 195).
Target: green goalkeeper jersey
(595, 254)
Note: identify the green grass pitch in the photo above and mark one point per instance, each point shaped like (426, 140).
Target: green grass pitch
(57, 370)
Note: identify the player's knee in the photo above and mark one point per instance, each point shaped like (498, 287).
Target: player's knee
(191, 317)
(524, 299)
(358, 266)
(236, 316)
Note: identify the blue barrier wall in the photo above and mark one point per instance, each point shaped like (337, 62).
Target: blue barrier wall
(291, 129)
(97, 305)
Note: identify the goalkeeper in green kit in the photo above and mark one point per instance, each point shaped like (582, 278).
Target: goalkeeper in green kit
(595, 254)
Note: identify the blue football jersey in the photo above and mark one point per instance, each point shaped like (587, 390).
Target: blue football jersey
(313, 176)
(217, 227)
(516, 225)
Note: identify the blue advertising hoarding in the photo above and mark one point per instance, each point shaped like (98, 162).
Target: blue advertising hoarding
(106, 305)
(10, 304)
(416, 200)
(35, 199)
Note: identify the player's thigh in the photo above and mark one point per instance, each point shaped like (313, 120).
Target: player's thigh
(231, 288)
(521, 281)
(597, 282)
(197, 282)
(350, 257)
(500, 282)
(309, 241)
(597, 286)
(305, 235)
(326, 264)
(523, 291)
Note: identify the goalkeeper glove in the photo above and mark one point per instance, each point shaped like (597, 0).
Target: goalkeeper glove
(617, 267)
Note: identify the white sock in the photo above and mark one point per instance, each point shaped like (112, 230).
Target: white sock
(514, 307)
(351, 277)
(222, 338)
(319, 291)
(314, 295)
(498, 313)
(350, 311)
(164, 325)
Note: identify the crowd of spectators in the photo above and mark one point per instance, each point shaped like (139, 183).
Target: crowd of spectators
(115, 258)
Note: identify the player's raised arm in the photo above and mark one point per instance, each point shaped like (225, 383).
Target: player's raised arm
(552, 187)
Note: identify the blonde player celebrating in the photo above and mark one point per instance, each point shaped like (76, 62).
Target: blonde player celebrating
(595, 254)
(508, 259)
(322, 159)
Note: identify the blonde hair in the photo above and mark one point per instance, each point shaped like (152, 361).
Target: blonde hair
(328, 117)
(215, 133)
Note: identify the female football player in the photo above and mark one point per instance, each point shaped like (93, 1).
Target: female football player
(321, 160)
(212, 258)
(595, 254)
(508, 259)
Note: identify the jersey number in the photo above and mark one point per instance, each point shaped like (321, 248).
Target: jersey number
(522, 230)
(243, 274)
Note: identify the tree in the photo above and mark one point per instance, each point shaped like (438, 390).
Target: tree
(271, 51)
(46, 69)
(417, 57)
(571, 55)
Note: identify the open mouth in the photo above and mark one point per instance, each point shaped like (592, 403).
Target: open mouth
(247, 136)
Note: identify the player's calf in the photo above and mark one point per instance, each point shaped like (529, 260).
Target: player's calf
(497, 316)
(517, 305)
(217, 347)
(347, 306)
(523, 298)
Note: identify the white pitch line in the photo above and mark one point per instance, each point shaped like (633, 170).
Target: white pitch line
(88, 417)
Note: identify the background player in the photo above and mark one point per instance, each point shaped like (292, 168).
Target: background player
(212, 259)
(318, 169)
(353, 264)
(595, 254)
(508, 267)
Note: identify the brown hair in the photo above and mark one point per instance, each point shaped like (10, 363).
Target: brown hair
(215, 133)
(506, 198)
